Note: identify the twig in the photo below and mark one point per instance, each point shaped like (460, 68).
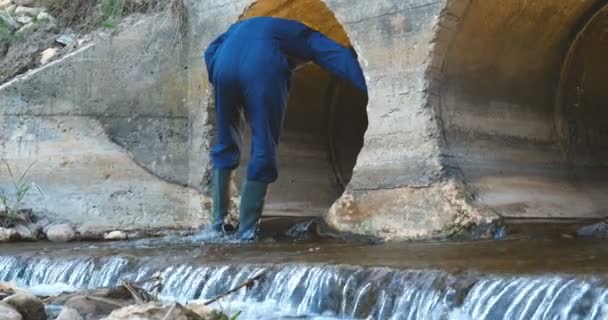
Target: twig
(133, 292)
(248, 284)
(166, 317)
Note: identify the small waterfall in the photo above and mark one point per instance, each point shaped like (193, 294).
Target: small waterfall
(335, 292)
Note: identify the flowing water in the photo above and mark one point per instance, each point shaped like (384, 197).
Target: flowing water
(479, 280)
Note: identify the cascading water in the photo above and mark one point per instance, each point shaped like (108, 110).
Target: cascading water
(333, 291)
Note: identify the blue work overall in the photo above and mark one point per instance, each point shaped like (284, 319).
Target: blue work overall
(250, 67)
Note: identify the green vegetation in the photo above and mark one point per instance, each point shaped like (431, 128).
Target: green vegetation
(12, 211)
(90, 14)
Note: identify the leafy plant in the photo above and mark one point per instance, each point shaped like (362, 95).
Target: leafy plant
(12, 212)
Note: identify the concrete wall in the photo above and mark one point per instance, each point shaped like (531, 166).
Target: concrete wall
(110, 134)
(460, 127)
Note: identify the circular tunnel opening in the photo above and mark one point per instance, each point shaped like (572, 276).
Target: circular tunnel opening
(521, 156)
(324, 124)
(582, 101)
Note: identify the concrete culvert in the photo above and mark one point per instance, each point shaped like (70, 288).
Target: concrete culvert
(524, 107)
(324, 125)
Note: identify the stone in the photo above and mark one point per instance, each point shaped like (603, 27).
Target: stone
(68, 313)
(25, 233)
(48, 55)
(24, 19)
(90, 307)
(24, 2)
(115, 235)
(153, 311)
(44, 16)
(30, 307)
(60, 233)
(8, 312)
(66, 40)
(4, 4)
(42, 223)
(597, 230)
(32, 12)
(6, 234)
(26, 29)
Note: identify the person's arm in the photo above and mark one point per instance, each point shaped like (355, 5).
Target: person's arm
(210, 53)
(337, 59)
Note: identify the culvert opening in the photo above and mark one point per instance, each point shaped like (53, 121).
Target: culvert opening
(521, 156)
(324, 124)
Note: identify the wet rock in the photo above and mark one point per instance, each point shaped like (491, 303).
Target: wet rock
(60, 233)
(69, 314)
(90, 307)
(66, 40)
(115, 235)
(25, 233)
(6, 234)
(8, 312)
(598, 230)
(48, 55)
(158, 312)
(30, 307)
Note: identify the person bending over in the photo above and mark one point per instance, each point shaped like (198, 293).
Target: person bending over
(250, 67)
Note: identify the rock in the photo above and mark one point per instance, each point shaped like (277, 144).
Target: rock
(44, 16)
(598, 230)
(32, 12)
(8, 312)
(60, 233)
(69, 314)
(115, 235)
(24, 2)
(201, 310)
(66, 40)
(153, 311)
(42, 223)
(26, 29)
(25, 233)
(48, 55)
(30, 307)
(24, 19)
(90, 307)
(6, 234)
(5, 4)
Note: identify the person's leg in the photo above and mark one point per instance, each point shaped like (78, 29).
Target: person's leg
(265, 108)
(226, 151)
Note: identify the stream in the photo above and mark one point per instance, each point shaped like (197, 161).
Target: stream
(509, 279)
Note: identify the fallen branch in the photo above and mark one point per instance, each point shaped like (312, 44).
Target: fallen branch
(107, 301)
(247, 284)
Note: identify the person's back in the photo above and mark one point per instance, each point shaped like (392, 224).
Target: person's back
(250, 69)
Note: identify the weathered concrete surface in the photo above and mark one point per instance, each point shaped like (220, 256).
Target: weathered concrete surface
(109, 131)
(498, 83)
(462, 124)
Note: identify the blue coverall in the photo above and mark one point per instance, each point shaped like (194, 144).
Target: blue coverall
(250, 66)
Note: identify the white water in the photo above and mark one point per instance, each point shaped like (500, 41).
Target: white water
(332, 292)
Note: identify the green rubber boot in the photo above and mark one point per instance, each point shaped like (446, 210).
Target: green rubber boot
(252, 205)
(220, 184)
